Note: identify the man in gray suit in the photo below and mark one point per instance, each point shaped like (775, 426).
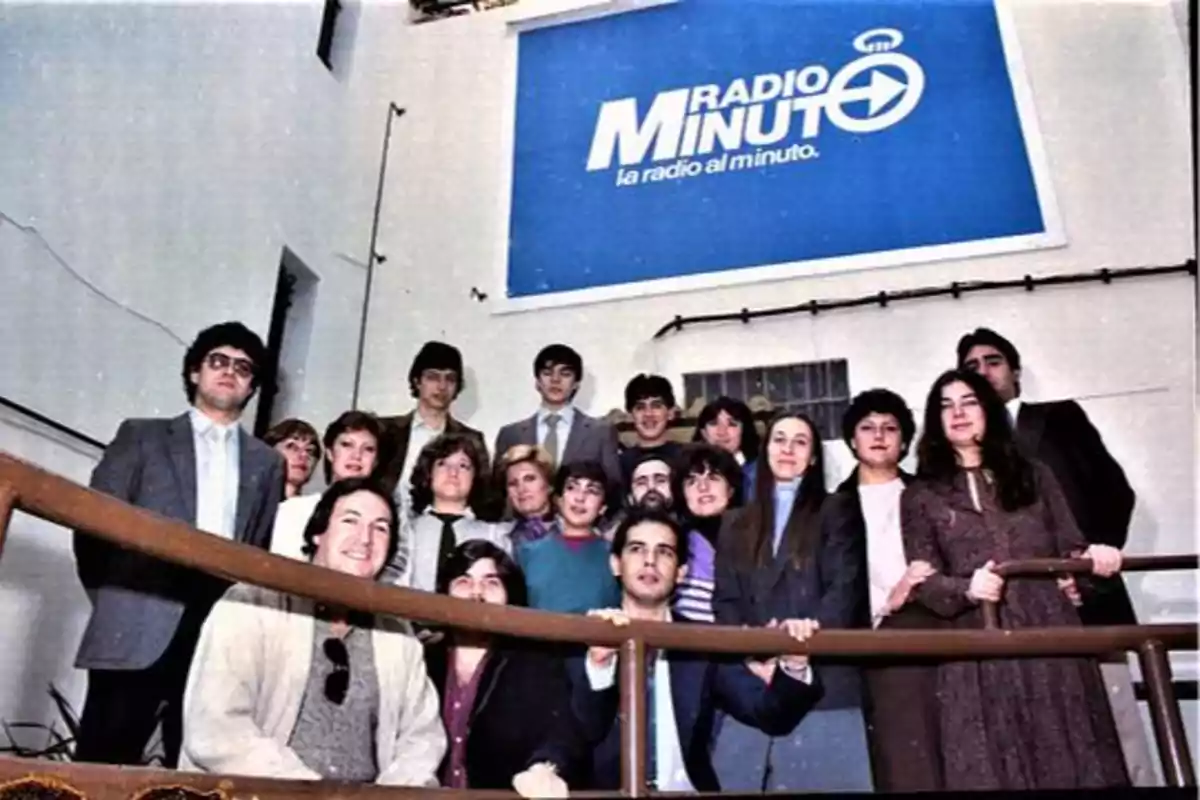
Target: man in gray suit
(203, 469)
(565, 432)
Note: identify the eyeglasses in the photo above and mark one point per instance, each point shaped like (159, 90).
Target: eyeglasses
(242, 367)
(338, 681)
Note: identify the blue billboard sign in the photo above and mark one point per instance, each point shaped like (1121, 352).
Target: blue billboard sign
(709, 142)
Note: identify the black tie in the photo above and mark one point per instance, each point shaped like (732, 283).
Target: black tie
(449, 542)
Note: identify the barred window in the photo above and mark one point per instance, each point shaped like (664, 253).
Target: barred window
(819, 389)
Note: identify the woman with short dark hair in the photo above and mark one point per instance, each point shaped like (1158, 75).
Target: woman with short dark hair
(505, 702)
(864, 512)
(729, 424)
(1012, 724)
(708, 482)
(448, 490)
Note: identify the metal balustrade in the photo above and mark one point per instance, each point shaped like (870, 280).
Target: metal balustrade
(30, 489)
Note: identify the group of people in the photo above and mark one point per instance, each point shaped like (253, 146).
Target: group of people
(731, 528)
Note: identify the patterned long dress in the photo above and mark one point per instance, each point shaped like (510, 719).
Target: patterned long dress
(1031, 723)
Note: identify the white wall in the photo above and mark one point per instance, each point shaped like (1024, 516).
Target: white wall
(168, 154)
(43, 609)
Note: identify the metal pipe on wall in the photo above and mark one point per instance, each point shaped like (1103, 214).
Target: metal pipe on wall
(394, 112)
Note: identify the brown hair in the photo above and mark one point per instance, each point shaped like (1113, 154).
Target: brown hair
(294, 429)
(753, 530)
(440, 448)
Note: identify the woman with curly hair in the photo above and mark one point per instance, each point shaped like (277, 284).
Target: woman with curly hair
(448, 492)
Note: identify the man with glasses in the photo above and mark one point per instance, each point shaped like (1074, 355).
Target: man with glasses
(200, 468)
(285, 687)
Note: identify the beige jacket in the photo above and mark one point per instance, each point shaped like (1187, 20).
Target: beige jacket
(247, 681)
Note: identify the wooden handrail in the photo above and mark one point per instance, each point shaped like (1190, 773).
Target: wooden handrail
(1030, 567)
(62, 501)
(1052, 567)
(31, 489)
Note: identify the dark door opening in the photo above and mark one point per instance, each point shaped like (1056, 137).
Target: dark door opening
(285, 286)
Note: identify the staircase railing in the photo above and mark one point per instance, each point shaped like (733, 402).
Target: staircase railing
(30, 489)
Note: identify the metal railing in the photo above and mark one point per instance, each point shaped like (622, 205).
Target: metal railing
(50, 497)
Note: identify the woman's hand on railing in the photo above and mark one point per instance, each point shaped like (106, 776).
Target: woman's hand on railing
(540, 780)
(801, 630)
(913, 577)
(986, 585)
(1106, 561)
(1066, 583)
(599, 655)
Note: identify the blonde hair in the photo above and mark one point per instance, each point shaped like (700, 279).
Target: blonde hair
(524, 454)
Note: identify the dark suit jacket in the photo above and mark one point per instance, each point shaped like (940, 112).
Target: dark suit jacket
(900, 698)
(589, 439)
(1061, 436)
(522, 715)
(829, 588)
(138, 601)
(394, 449)
(842, 518)
(700, 686)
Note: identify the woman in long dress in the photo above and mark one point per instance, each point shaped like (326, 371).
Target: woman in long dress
(1029, 723)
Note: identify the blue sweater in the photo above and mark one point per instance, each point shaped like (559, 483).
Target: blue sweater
(569, 577)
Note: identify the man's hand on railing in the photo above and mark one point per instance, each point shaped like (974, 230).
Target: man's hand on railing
(599, 655)
(1106, 560)
(540, 780)
(985, 584)
(913, 577)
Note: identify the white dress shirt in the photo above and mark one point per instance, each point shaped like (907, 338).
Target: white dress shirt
(672, 775)
(217, 474)
(287, 537)
(420, 433)
(1014, 408)
(886, 561)
(566, 418)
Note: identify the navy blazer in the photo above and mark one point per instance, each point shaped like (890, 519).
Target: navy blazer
(1099, 495)
(828, 588)
(701, 684)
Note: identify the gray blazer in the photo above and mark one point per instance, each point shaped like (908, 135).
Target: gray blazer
(138, 601)
(590, 439)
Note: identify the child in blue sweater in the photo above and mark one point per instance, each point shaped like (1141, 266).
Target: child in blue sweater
(568, 570)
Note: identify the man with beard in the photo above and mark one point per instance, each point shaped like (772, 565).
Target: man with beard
(649, 488)
(650, 484)
(686, 690)
(200, 468)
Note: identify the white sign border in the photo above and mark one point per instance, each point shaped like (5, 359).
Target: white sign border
(1053, 236)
